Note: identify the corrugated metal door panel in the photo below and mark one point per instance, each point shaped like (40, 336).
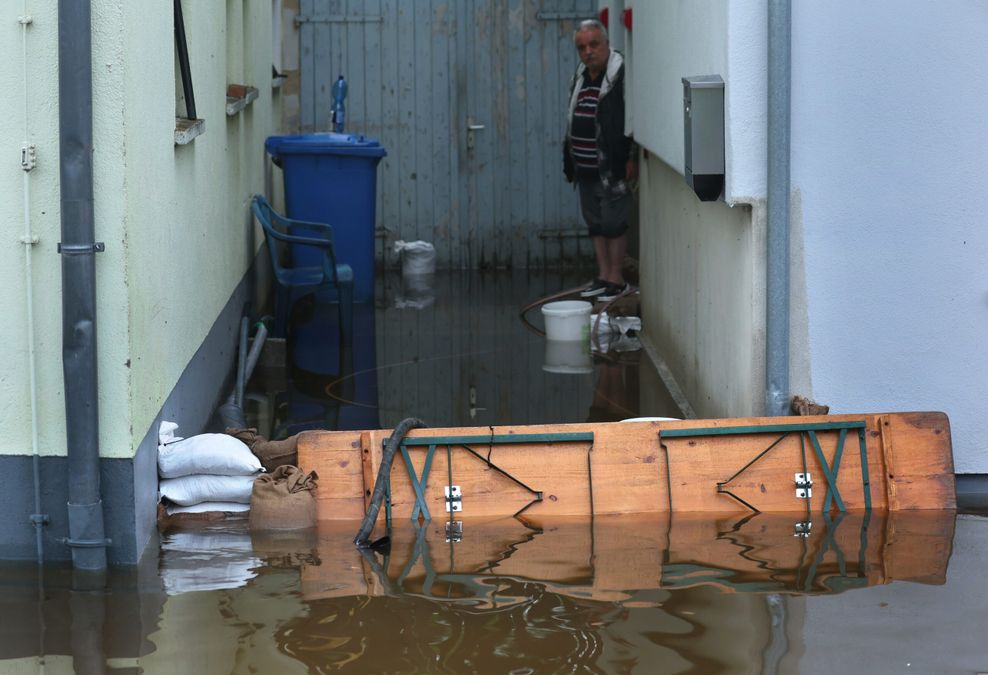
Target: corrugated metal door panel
(419, 74)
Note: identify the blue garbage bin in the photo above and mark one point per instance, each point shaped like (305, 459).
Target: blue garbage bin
(332, 178)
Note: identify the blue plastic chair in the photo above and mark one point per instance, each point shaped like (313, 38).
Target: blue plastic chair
(295, 282)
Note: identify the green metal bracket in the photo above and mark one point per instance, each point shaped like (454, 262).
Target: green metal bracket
(830, 472)
(419, 485)
(810, 429)
(490, 440)
(765, 429)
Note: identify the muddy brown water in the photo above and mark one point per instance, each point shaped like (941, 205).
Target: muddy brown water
(735, 593)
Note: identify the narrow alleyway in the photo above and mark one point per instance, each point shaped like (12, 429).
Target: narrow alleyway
(453, 353)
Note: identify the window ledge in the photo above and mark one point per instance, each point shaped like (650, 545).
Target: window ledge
(238, 97)
(186, 130)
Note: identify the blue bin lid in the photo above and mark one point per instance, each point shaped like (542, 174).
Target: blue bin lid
(326, 143)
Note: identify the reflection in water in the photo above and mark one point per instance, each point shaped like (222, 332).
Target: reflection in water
(507, 595)
(612, 594)
(462, 359)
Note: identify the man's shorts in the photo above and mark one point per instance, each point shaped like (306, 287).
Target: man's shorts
(605, 213)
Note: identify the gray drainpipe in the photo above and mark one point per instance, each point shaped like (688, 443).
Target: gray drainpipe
(777, 282)
(78, 249)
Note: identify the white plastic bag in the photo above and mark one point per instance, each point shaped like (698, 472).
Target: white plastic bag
(189, 490)
(417, 257)
(217, 454)
(615, 324)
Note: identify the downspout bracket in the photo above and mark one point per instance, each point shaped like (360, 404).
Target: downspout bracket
(87, 543)
(81, 249)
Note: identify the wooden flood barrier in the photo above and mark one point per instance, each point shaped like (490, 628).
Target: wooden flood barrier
(815, 464)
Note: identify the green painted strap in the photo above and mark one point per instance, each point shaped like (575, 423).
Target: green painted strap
(417, 485)
(865, 479)
(829, 543)
(682, 575)
(573, 437)
(419, 550)
(761, 429)
(830, 473)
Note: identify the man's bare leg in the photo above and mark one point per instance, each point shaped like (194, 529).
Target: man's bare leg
(617, 248)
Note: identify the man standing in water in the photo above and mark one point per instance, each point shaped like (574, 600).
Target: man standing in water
(599, 157)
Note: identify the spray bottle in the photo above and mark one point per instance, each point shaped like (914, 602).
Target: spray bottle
(339, 109)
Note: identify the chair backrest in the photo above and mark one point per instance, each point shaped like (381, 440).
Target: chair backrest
(277, 251)
(280, 239)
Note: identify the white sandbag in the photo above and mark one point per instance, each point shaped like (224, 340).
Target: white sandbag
(199, 488)
(417, 257)
(210, 507)
(215, 454)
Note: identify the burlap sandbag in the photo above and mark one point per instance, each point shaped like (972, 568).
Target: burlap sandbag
(284, 500)
(271, 453)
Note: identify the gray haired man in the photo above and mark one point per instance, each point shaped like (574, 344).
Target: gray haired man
(599, 157)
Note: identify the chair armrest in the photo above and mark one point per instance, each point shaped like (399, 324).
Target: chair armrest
(296, 239)
(292, 222)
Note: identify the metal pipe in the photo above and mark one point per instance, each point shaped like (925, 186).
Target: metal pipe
(78, 250)
(254, 355)
(238, 391)
(777, 277)
(182, 46)
(29, 240)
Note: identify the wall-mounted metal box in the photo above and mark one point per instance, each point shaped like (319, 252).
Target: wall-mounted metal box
(703, 127)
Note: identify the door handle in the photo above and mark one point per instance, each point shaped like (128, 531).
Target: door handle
(472, 130)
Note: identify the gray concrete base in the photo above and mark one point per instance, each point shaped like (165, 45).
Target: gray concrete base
(129, 486)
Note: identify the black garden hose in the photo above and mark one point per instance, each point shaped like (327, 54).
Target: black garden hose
(384, 479)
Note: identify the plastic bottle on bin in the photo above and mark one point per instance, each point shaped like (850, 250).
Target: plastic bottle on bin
(339, 109)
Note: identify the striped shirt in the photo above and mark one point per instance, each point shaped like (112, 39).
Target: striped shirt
(583, 129)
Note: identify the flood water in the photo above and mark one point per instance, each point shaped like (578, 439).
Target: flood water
(733, 593)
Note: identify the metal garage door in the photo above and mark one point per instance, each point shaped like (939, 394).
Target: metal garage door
(468, 97)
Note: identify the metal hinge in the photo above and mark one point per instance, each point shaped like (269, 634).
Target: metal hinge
(563, 16)
(29, 156)
(804, 486)
(454, 500)
(454, 531)
(370, 18)
(802, 529)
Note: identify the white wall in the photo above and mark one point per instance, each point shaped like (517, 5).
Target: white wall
(680, 38)
(889, 155)
(702, 264)
(173, 219)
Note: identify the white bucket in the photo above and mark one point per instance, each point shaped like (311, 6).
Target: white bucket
(568, 357)
(567, 320)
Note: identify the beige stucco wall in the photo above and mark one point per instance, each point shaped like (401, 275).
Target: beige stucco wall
(703, 264)
(702, 295)
(173, 218)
